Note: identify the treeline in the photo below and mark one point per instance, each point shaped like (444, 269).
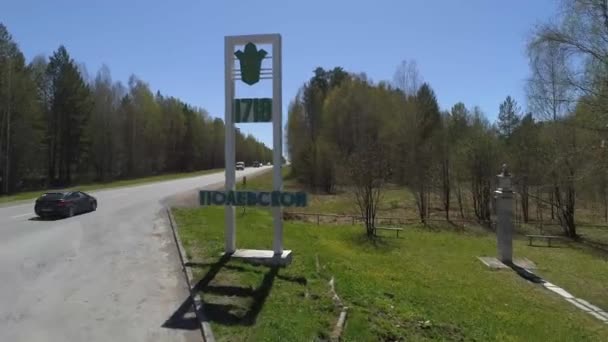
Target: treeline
(58, 126)
(347, 131)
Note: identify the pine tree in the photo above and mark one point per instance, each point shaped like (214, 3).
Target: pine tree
(19, 117)
(71, 106)
(424, 146)
(508, 117)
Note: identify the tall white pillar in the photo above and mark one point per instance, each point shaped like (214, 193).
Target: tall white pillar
(229, 44)
(277, 142)
(229, 153)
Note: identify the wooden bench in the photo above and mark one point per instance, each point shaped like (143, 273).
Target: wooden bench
(395, 229)
(546, 237)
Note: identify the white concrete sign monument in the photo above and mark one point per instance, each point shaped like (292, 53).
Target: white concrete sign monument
(243, 62)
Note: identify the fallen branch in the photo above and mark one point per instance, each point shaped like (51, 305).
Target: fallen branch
(339, 327)
(335, 335)
(335, 296)
(341, 321)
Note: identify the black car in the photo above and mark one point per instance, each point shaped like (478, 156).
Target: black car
(65, 204)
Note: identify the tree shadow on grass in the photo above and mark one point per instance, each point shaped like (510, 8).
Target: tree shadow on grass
(379, 243)
(228, 304)
(594, 248)
(456, 226)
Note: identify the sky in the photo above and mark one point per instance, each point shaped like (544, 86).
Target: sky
(470, 51)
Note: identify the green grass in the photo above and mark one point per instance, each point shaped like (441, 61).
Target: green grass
(290, 305)
(426, 285)
(115, 184)
(339, 204)
(395, 202)
(578, 267)
(572, 267)
(584, 273)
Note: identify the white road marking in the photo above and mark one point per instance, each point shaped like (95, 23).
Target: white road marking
(26, 214)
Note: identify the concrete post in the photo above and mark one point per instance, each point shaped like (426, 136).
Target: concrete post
(504, 213)
(277, 141)
(229, 147)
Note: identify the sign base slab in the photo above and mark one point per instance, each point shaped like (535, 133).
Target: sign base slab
(262, 257)
(495, 264)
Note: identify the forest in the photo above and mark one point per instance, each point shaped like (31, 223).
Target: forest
(347, 132)
(59, 126)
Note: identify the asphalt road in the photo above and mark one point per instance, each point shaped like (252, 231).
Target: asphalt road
(109, 275)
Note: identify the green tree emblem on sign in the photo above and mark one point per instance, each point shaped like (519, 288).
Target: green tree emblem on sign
(251, 63)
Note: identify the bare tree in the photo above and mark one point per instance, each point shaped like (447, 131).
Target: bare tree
(368, 172)
(356, 131)
(549, 89)
(481, 160)
(407, 78)
(525, 150)
(557, 81)
(446, 158)
(579, 40)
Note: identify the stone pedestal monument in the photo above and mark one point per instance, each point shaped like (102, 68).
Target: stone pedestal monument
(504, 216)
(504, 197)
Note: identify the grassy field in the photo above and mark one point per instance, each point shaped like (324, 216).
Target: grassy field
(115, 184)
(339, 204)
(395, 201)
(398, 202)
(426, 285)
(580, 268)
